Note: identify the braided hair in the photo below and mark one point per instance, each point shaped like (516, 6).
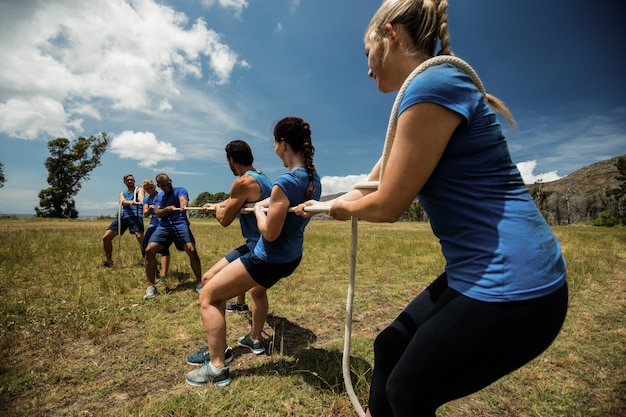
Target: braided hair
(426, 22)
(297, 133)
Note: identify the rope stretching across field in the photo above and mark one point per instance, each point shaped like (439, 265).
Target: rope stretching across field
(390, 135)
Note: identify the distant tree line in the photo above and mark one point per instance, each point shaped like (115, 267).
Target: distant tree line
(71, 163)
(204, 198)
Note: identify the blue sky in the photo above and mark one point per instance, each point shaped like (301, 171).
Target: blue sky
(172, 81)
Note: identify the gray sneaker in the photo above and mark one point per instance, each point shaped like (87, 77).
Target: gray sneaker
(208, 374)
(151, 292)
(254, 345)
(162, 279)
(202, 356)
(199, 286)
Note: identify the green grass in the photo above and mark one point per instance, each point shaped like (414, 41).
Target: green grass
(79, 340)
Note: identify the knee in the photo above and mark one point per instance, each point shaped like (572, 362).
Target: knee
(206, 277)
(389, 346)
(258, 292)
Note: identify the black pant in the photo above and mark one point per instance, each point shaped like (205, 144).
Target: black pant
(444, 346)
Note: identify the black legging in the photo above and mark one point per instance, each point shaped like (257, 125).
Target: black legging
(444, 346)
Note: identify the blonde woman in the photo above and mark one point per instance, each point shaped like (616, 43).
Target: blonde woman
(502, 298)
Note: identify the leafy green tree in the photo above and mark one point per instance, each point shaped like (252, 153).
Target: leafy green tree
(2, 179)
(68, 166)
(204, 198)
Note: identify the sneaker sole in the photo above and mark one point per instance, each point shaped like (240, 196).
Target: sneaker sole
(253, 350)
(221, 383)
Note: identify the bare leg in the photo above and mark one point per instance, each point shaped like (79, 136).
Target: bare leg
(241, 299)
(150, 263)
(139, 237)
(217, 267)
(260, 306)
(194, 260)
(230, 281)
(165, 265)
(107, 244)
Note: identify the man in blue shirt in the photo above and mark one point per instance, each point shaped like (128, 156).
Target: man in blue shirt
(129, 217)
(173, 227)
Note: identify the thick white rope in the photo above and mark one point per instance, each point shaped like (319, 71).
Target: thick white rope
(389, 137)
(347, 338)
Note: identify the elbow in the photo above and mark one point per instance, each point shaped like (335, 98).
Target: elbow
(388, 217)
(270, 237)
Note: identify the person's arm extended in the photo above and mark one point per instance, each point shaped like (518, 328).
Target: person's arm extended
(244, 189)
(147, 209)
(422, 134)
(271, 223)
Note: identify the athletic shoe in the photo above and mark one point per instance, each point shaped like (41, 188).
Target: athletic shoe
(239, 308)
(151, 292)
(162, 279)
(199, 286)
(202, 356)
(208, 374)
(254, 345)
(107, 264)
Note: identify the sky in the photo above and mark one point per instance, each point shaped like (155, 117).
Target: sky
(172, 81)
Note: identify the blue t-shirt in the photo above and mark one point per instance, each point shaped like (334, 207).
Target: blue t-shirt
(288, 246)
(497, 245)
(175, 218)
(133, 210)
(247, 221)
(154, 220)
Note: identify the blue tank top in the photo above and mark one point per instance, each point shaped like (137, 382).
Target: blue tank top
(249, 227)
(497, 245)
(288, 246)
(133, 210)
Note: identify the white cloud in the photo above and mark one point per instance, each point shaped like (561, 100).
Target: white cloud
(237, 5)
(334, 185)
(26, 117)
(143, 147)
(294, 6)
(60, 58)
(527, 168)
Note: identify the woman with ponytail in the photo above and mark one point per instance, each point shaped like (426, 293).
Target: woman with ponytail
(502, 297)
(276, 255)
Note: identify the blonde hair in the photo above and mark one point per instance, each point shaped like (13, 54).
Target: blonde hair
(147, 181)
(426, 23)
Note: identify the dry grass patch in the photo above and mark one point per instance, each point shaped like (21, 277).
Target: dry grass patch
(79, 340)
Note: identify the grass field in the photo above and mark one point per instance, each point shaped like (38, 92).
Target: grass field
(79, 340)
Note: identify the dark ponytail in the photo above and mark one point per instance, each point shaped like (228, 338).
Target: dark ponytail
(297, 133)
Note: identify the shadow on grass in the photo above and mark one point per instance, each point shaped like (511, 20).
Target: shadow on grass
(180, 281)
(291, 353)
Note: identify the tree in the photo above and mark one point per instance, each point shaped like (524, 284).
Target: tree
(67, 168)
(204, 198)
(2, 179)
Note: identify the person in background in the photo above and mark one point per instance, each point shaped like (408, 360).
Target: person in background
(148, 211)
(173, 227)
(250, 186)
(276, 255)
(129, 217)
(503, 296)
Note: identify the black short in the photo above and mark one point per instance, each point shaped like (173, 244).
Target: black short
(265, 273)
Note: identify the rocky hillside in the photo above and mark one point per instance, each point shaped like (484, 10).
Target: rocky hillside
(589, 179)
